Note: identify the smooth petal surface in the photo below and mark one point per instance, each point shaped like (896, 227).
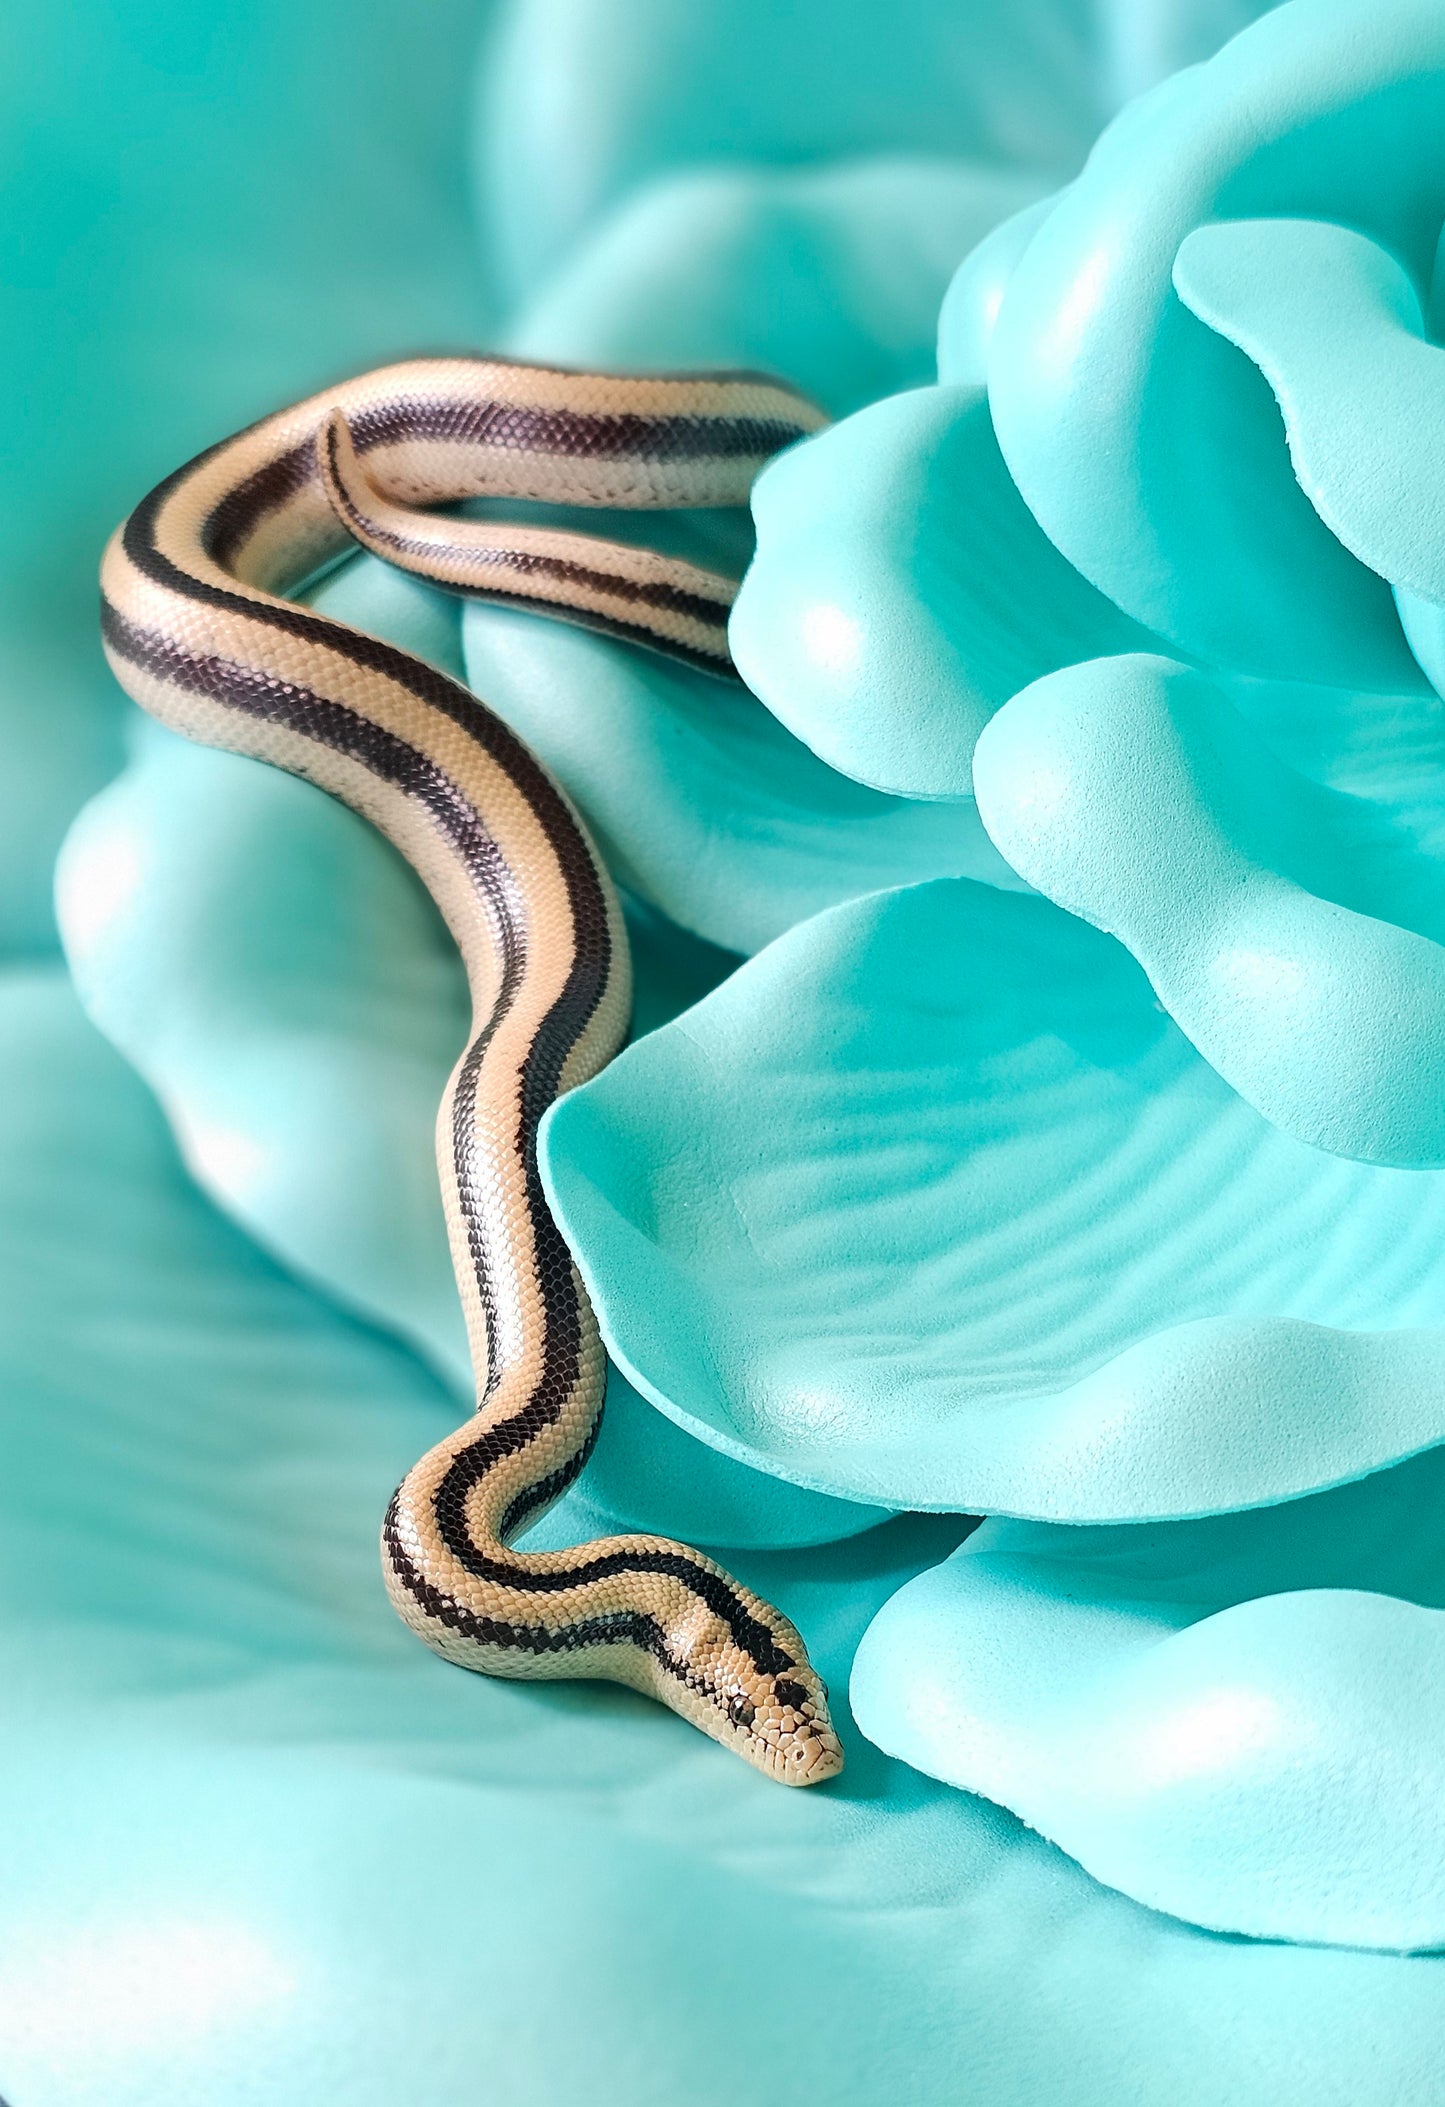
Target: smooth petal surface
(1335, 325)
(1295, 932)
(279, 976)
(1145, 445)
(829, 276)
(930, 1204)
(1424, 625)
(665, 87)
(975, 294)
(702, 803)
(1238, 1720)
(260, 1843)
(901, 591)
(586, 100)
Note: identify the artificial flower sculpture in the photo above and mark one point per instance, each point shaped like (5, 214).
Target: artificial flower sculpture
(945, 1199)
(1212, 1185)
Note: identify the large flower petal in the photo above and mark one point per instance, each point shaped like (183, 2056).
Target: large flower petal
(931, 1204)
(1336, 325)
(667, 86)
(970, 308)
(1238, 1720)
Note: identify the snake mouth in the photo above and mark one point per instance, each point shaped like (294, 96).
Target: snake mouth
(791, 1739)
(807, 1759)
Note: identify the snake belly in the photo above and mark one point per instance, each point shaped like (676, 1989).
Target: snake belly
(201, 630)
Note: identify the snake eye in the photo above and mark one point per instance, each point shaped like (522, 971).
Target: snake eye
(790, 1693)
(741, 1711)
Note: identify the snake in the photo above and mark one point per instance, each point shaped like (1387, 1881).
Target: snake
(204, 627)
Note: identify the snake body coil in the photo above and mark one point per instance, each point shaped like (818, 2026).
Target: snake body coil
(200, 630)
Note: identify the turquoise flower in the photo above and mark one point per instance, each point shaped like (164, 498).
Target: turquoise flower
(1121, 1245)
(1254, 237)
(260, 1843)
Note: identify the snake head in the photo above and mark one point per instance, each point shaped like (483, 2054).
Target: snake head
(747, 1681)
(779, 1723)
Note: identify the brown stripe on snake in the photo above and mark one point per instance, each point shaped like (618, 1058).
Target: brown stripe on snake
(717, 661)
(344, 727)
(660, 593)
(617, 435)
(201, 629)
(235, 517)
(613, 439)
(667, 599)
(664, 602)
(345, 730)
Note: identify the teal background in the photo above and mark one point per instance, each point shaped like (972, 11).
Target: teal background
(255, 1845)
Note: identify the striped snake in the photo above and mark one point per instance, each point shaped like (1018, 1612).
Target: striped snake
(202, 630)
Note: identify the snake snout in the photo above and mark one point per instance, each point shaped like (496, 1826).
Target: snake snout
(797, 1742)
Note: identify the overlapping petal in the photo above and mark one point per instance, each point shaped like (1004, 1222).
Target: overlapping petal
(969, 314)
(1239, 1720)
(931, 1204)
(701, 801)
(1149, 450)
(1293, 930)
(902, 591)
(1336, 326)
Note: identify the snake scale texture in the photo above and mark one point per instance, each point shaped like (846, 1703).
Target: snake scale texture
(202, 629)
